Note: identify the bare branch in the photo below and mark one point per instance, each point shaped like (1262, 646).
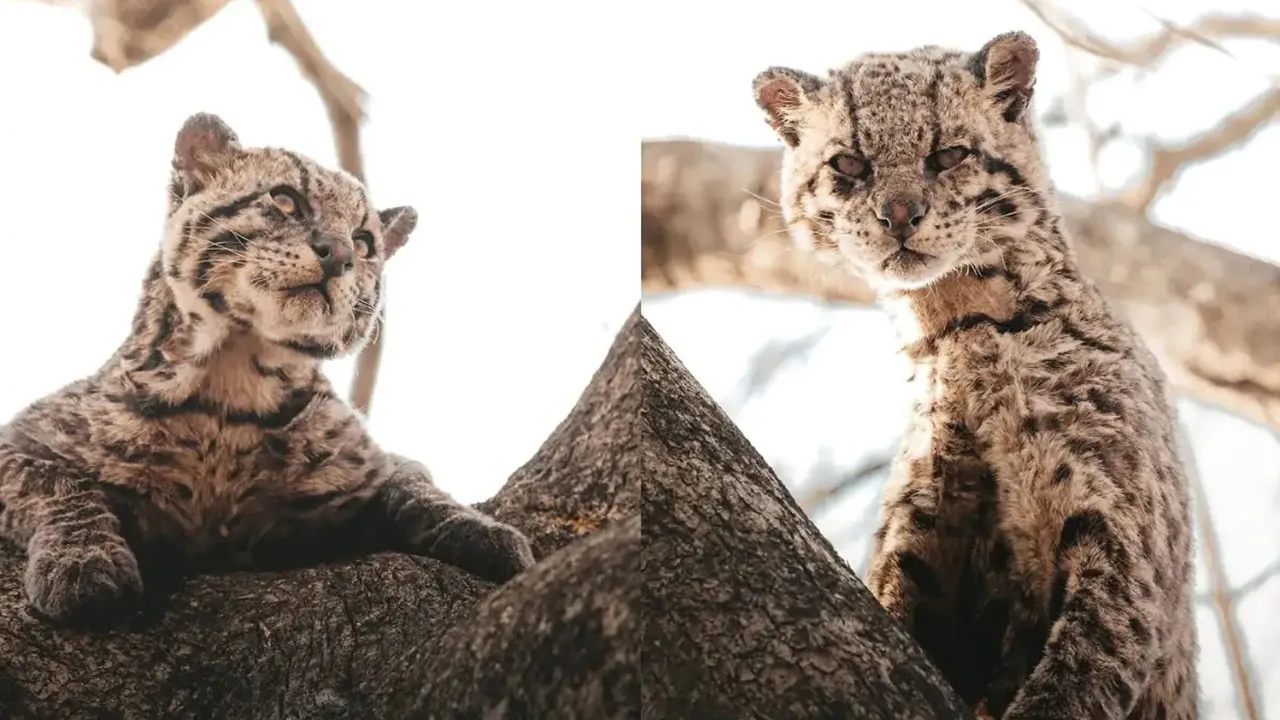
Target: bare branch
(1222, 602)
(344, 101)
(367, 363)
(342, 97)
(765, 364)
(130, 32)
(1209, 30)
(815, 499)
(1168, 162)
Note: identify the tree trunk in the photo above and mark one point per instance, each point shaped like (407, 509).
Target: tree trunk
(749, 612)
(542, 647)
(356, 639)
(710, 217)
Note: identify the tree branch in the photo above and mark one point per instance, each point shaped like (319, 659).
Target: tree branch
(581, 612)
(359, 637)
(1209, 31)
(597, 445)
(1211, 315)
(130, 32)
(1220, 588)
(814, 499)
(342, 97)
(748, 610)
(1168, 162)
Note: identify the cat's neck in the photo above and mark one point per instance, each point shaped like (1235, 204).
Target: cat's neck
(176, 357)
(1014, 285)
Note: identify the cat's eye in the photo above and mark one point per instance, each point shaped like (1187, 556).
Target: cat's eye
(364, 243)
(947, 158)
(290, 201)
(850, 165)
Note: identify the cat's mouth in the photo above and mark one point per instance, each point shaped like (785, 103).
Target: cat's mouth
(904, 260)
(319, 290)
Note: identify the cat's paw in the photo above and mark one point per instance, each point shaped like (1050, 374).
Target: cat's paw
(482, 546)
(67, 582)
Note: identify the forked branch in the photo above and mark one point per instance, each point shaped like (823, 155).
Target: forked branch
(1167, 162)
(1233, 130)
(1208, 30)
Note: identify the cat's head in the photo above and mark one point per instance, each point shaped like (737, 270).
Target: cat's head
(268, 241)
(903, 167)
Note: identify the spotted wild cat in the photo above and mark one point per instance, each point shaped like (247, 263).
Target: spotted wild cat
(211, 438)
(1035, 536)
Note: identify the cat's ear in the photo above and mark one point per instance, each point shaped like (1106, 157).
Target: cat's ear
(1006, 70)
(397, 224)
(785, 94)
(204, 145)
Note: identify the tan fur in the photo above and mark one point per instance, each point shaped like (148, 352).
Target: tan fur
(211, 436)
(1036, 537)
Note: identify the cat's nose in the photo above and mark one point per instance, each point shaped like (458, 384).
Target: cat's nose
(336, 258)
(901, 218)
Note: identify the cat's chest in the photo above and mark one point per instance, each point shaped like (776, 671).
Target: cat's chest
(945, 457)
(206, 482)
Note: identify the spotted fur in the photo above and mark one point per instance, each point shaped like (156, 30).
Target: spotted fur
(1035, 535)
(211, 438)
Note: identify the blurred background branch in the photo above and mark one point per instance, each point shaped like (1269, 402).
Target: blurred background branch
(1107, 58)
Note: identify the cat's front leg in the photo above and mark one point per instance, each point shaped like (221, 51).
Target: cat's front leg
(430, 522)
(78, 564)
(1104, 642)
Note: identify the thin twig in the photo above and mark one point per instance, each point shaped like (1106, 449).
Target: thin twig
(1257, 581)
(765, 364)
(1208, 30)
(1168, 162)
(341, 96)
(344, 101)
(1222, 602)
(814, 500)
(1233, 130)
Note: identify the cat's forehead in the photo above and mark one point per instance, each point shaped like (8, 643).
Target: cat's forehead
(896, 105)
(333, 190)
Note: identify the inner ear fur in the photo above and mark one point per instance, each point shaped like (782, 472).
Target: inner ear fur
(397, 224)
(204, 146)
(784, 94)
(1006, 68)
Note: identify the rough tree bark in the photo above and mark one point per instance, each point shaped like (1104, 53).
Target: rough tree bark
(565, 638)
(359, 638)
(748, 610)
(710, 217)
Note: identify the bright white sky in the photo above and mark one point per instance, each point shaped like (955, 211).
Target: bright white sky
(503, 128)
